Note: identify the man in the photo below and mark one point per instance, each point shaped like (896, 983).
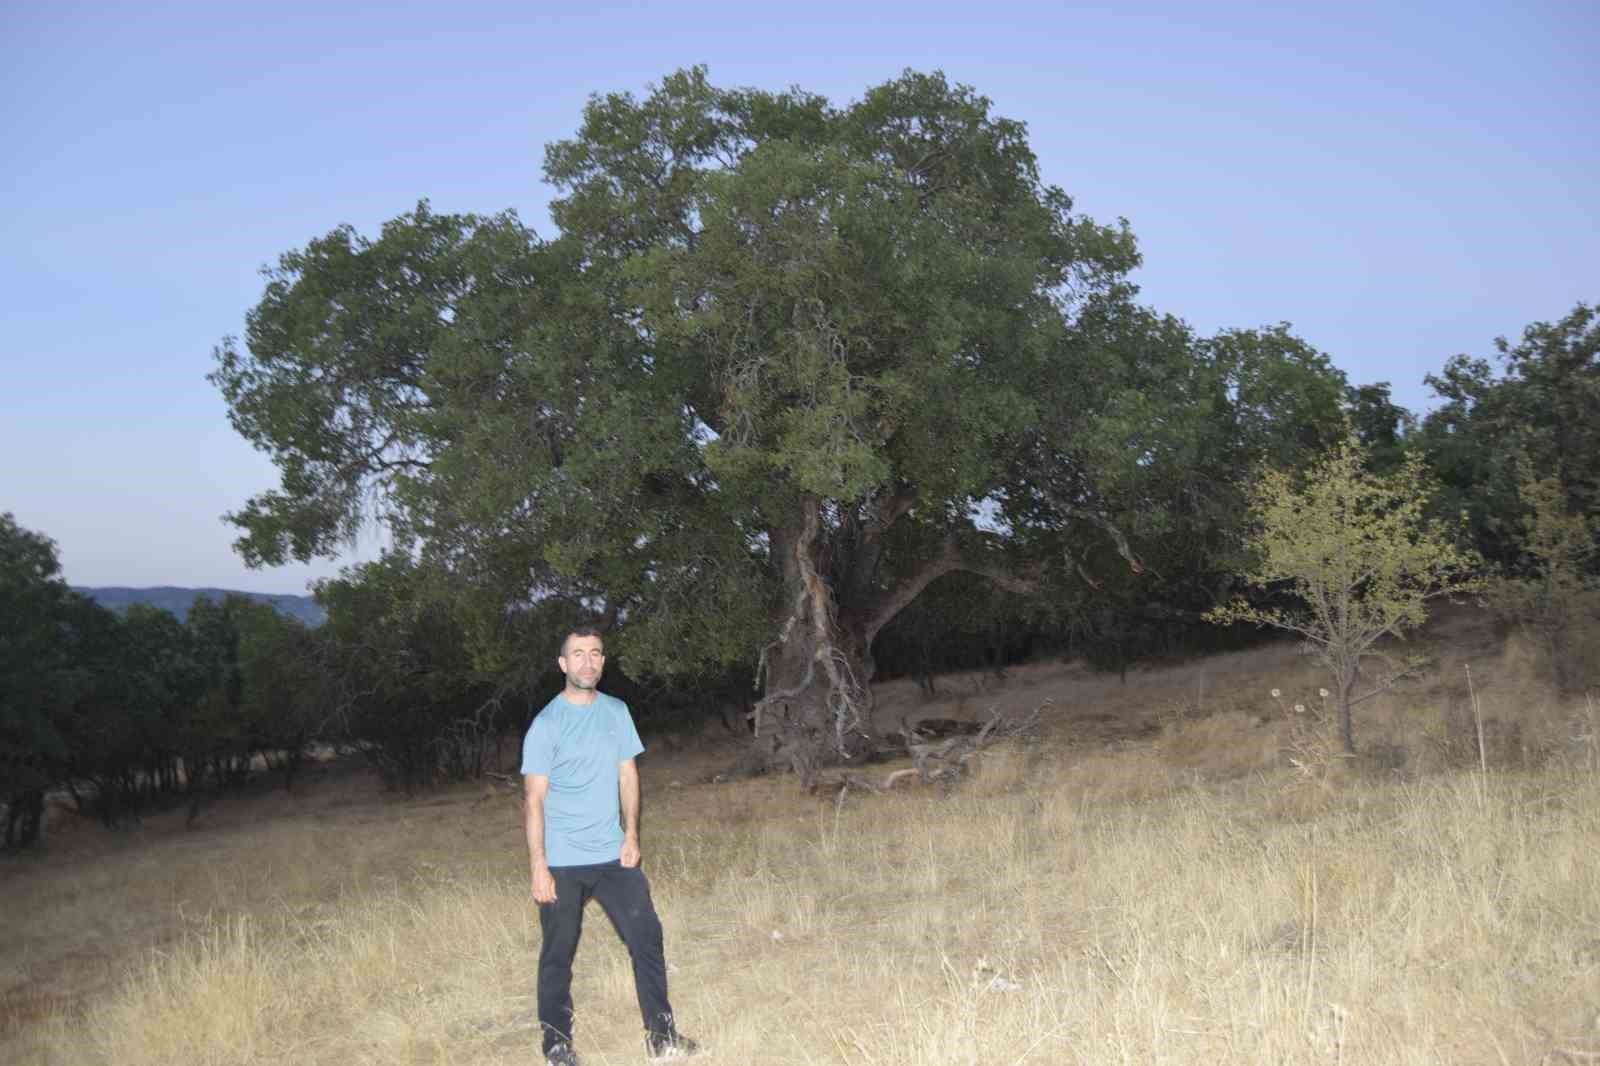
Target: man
(577, 771)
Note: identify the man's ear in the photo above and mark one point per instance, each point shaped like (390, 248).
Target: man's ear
(561, 662)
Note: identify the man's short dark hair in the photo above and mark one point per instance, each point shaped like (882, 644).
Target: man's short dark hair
(587, 629)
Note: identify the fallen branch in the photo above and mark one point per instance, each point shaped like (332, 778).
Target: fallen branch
(943, 763)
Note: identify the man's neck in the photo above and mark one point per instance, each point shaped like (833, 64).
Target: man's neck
(580, 696)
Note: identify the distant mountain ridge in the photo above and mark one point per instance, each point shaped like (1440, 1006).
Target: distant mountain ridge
(177, 600)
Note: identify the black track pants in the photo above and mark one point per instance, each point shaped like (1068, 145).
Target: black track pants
(624, 895)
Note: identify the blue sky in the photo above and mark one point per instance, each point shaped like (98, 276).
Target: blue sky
(1401, 182)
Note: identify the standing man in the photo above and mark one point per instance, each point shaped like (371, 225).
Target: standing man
(577, 771)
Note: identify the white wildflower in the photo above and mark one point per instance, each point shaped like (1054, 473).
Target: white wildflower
(1277, 693)
(1299, 708)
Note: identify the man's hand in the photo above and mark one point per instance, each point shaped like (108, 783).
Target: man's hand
(630, 850)
(544, 885)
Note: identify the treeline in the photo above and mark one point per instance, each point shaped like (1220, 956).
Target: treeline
(1514, 445)
(126, 712)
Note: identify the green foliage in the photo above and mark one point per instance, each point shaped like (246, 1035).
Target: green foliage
(162, 706)
(1553, 594)
(128, 709)
(149, 714)
(788, 365)
(264, 688)
(47, 633)
(409, 694)
(1381, 425)
(863, 308)
(1180, 430)
(1359, 553)
(64, 681)
(1544, 409)
(355, 326)
(761, 304)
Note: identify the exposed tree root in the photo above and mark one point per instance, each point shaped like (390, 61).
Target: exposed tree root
(942, 763)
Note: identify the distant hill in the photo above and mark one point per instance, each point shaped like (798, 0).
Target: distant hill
(177, 600)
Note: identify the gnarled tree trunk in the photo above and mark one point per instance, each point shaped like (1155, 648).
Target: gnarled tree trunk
(818, 673)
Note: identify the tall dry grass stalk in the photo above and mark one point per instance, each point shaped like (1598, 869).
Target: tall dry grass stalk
(1477, 720)
(1073, 904)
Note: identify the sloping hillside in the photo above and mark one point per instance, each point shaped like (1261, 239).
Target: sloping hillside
(1182, 869)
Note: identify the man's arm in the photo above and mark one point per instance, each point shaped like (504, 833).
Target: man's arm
(534, 789)
(628, 794)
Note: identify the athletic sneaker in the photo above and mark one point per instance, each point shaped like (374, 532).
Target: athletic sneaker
(561, 1055)
(674, 1045)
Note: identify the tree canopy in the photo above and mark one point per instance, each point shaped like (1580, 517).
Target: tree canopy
(1362, 557)
(1542, 410)
(786, 364)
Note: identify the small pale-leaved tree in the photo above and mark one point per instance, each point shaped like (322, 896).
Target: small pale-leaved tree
(1359, 553)
(1552, 594)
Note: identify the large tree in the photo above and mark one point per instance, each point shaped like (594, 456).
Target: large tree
(786, 365)
(1543, 410)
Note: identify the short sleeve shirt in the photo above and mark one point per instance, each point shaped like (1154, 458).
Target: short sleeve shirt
(578, 747)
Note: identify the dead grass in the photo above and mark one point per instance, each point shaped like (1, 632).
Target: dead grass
(1182, 871)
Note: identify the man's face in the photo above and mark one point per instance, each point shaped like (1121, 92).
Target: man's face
(583, 660)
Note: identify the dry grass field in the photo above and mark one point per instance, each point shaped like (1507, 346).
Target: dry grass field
(1182, 870)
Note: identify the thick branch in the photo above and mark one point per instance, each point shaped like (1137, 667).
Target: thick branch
(892, 601)
(1006, 579)
(1044, 460)
(865, 545)
(1096, 518)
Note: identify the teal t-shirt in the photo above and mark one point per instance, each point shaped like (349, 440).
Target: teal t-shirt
(578, 747)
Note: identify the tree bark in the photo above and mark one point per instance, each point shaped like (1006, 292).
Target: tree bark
(816, 710)
(817, 707)
(1347, 732)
